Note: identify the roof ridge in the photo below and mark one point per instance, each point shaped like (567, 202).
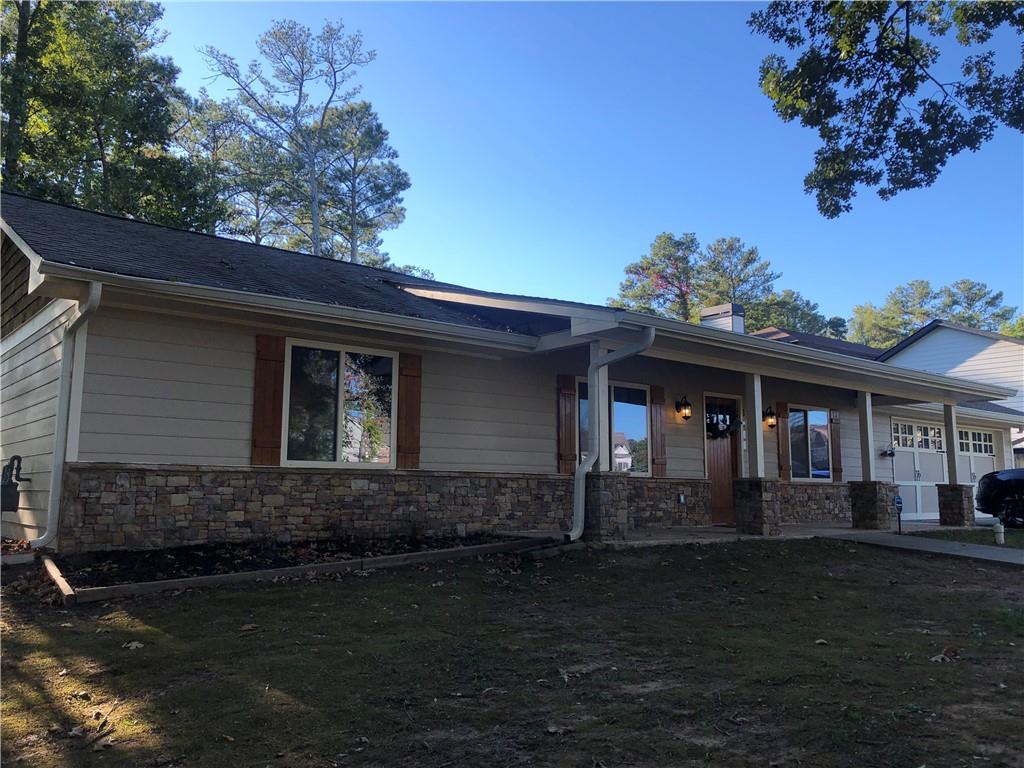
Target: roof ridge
(119, 217)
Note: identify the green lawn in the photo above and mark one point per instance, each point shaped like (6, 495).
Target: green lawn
(802, 653)
(1014, 536)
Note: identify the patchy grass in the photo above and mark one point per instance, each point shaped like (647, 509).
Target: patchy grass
(1014, 536)
(803, 653)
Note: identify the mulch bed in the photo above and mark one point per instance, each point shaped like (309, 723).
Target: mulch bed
(104, 569)
(13, 546)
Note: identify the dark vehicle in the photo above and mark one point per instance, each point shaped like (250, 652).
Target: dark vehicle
(1001, 494)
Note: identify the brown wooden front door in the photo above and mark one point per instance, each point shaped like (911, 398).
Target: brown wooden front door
(721, 419)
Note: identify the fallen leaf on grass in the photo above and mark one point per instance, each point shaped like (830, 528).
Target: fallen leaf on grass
(83, 695)
(63, 673)
(133, 645)
(940, 658)
(226, 737)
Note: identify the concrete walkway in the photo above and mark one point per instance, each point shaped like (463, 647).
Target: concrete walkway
(992, 554)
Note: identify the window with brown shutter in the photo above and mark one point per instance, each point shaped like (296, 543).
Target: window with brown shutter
(659, 463)
(267, 401)
(410, 378)
(566, 424)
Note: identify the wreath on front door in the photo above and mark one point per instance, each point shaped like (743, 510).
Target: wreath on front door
(717, 429)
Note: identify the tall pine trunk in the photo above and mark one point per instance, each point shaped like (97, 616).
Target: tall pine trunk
(314, 206)
(16, 99)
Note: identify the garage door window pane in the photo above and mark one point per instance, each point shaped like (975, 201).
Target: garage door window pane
(902, 435)
(313, 404)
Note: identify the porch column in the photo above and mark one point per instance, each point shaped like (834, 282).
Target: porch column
(867, 436)
(952, 441)
(956, 502)
(600, 399)
(755, 434)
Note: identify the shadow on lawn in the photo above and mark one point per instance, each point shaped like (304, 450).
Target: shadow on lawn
(697, 655)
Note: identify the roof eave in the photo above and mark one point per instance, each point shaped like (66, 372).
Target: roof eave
(299, 308)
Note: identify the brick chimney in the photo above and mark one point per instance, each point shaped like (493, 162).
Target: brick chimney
(728, 317)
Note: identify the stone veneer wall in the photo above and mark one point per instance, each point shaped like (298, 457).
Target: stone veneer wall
(956, 504)
(618, 503)
(873, 504)
(117, 506)
(814, 502)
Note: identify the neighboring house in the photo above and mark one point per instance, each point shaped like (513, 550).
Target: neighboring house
(168, 388)
(917, 438)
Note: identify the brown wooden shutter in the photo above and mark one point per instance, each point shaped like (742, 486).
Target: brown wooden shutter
(267, 401)
(782, 432)
(410, 378)
(659, 464)
(566, 424)
(837, 446)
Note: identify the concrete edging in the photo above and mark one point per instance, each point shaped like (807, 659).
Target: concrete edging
(96, 594)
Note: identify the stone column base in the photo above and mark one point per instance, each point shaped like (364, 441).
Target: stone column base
(956, 505)
(757, 506)
(607, 511)
(872, 504)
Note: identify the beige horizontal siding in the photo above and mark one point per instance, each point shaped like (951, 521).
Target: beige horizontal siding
(969, 356)
(488, 415)
(29, 382)
(164, 390)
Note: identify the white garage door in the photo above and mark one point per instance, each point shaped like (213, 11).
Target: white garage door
(919, 463)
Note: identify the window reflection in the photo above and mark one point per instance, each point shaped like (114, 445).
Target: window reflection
(313, 404)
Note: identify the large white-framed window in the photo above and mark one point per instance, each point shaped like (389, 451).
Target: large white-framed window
(629, 419)
(340, 406)
(810, 443)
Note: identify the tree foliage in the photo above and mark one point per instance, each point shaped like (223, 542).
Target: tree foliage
(788, 309)
(288, 105)
(88, 112)
(910, 306)
(660, 283)
(866, 77)
(729, 271)
(676, 278)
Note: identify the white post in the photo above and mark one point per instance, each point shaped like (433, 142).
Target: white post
(867, 436)
(952, 442)
(755, 433)
(600, 400)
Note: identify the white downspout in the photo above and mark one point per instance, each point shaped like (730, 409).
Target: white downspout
(60, 432)
(597, 362)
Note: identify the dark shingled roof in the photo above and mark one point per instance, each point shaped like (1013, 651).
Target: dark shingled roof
(105, 243)
(823, 343)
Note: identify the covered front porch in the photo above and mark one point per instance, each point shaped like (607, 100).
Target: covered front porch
(749, 434)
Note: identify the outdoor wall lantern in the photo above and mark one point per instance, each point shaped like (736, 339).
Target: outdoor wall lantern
(770, 418)
(684, 409)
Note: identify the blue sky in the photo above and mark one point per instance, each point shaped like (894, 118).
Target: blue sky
(548, 144)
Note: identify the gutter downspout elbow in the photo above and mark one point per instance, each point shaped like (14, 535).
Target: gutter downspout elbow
(60, 433)
(579, 490)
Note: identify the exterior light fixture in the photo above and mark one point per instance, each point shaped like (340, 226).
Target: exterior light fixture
(684, 409)
(770, 418)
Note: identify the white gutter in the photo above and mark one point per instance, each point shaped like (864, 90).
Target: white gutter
(60, 433)
(579, 489)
